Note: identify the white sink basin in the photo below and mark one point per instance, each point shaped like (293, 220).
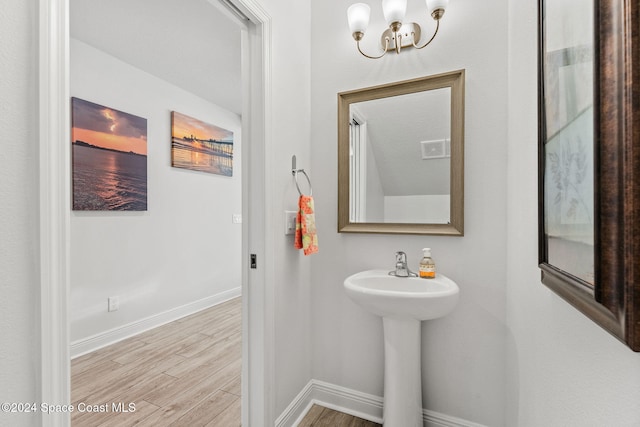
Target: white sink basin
(403, 302)
(402, 297)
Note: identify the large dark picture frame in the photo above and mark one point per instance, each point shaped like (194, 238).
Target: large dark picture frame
(611, 296)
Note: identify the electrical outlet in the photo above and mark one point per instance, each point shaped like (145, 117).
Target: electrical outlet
(113, 303)
(236, 218)
(290, 222)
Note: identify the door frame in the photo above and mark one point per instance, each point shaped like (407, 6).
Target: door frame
(55, 201)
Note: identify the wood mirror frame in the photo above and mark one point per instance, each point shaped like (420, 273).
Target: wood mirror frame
(613, 301)
(453, 80)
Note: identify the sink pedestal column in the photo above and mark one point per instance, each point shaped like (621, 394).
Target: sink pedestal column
(402, 373)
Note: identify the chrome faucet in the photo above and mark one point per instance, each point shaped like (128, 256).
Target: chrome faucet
(401, 267)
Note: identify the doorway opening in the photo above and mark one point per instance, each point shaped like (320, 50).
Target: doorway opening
(156, 225)
(55, 155)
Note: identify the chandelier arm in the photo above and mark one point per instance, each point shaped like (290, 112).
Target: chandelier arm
(386, 48)
(431, 39)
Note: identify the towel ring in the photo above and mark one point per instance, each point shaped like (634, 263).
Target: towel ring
(295, 175)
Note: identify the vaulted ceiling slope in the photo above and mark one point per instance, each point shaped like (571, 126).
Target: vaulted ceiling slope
(191, 44)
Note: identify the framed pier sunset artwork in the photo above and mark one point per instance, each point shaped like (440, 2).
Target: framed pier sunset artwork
(200, 146)
(109, 158)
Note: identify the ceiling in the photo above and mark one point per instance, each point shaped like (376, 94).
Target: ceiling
(195, 45)
(192, 44)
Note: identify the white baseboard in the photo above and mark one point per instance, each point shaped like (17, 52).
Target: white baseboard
(436, 419)
(297, 409)
(352, 402)
(103, 339)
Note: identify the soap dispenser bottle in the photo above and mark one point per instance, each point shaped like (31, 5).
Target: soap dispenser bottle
(427, 266)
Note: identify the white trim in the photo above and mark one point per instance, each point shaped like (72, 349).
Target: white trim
(258, 377)
(54, 207)
(297, 409)
(359, 144)
(436, 419)
(352, 402)
(103, 339)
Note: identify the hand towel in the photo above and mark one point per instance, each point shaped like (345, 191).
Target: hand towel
(306, 237)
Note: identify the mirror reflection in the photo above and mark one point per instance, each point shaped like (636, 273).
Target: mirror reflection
(400, 157)
(400, 150)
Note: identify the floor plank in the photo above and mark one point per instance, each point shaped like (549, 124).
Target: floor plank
(319, 416)
(207, 410)
(314, 413)
(230, 417)
(186, 372)
(233, 386)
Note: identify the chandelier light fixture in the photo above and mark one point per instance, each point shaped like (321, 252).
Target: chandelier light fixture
(399, 34)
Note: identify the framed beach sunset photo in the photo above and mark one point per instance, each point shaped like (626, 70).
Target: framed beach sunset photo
(200, 146)
(109, 158)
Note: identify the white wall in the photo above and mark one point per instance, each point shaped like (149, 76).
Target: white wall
(19, 255)
(563, 369)
(184, 248)
(463, 354)
(421, 208)
(290, 118)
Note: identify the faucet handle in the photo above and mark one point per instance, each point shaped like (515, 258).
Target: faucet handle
(401, 266)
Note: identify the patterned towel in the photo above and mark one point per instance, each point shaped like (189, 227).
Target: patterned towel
(306, 238)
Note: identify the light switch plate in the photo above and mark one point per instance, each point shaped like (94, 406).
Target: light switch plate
(290, 222)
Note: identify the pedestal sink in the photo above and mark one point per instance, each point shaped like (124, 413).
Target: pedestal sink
(402, 302)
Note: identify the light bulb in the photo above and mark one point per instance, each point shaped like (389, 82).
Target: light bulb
(394, 10)
(358, 16)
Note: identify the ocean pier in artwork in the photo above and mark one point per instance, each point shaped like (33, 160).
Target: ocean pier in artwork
(223, 147)
(200, 146)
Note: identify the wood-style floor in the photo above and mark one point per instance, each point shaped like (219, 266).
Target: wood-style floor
(184, 373)
(319, 416)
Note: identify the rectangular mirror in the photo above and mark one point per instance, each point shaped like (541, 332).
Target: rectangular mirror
(401, 157)
(567, 138)
(589, 159)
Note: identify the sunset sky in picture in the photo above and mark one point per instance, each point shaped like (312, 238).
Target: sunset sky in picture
(186, 126)
(108, 128)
